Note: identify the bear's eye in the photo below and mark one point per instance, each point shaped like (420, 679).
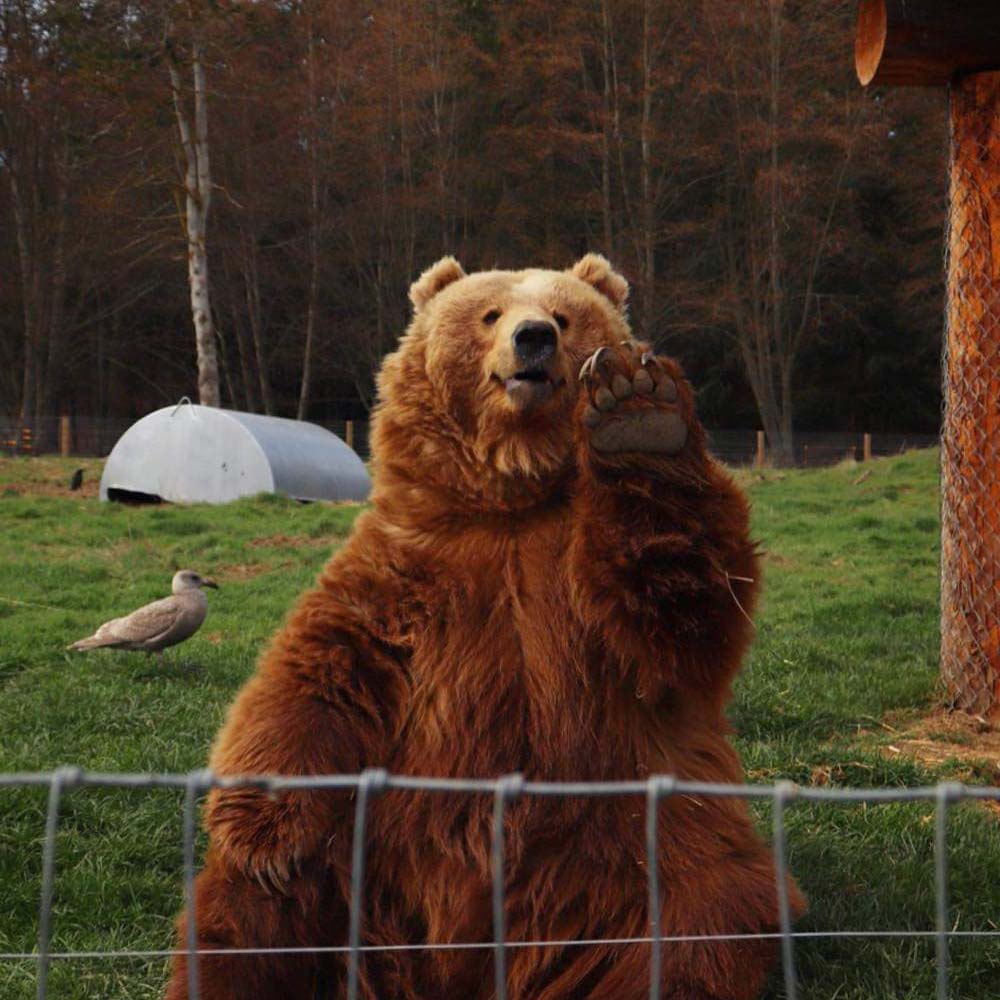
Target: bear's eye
(491, 317)
(561, 320)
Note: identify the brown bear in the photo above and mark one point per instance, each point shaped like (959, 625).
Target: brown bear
(554, 578)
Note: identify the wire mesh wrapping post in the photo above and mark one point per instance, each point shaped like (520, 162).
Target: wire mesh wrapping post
(370, 782)
(508, 787)
(957, 43)
(61, 778)
(970, 486)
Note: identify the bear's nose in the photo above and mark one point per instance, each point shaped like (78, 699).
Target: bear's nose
(534, 342)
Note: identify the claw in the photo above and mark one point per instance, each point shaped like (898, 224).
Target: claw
(259, 875)
(273, 877)
(590, 365)
(647, 356)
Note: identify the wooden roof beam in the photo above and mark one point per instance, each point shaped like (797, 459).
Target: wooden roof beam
(926, 43)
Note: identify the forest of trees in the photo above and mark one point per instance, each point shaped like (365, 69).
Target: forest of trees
(305, 159)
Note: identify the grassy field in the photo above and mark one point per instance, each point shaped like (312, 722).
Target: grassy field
(841, 678)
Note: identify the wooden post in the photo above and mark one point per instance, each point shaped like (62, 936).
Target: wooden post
(760, 450)
(957, 43)
(866, 448)
(64, 436)
(349, 433)
(970, 502)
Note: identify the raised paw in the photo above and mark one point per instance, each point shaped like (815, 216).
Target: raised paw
(631, 402)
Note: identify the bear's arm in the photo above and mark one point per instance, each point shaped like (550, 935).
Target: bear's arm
(660, 560)
(325, 700)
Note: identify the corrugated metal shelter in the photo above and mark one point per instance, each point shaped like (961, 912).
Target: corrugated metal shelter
(200, 454)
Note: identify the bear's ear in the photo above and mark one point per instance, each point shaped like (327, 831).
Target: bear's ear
(435, 278)
(596, 271)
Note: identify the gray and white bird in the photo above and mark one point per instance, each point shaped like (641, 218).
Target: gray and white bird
(154, 627)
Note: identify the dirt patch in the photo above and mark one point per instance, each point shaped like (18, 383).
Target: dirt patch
(948, 737)
(289, 542)
(243, 571)
(777, 559)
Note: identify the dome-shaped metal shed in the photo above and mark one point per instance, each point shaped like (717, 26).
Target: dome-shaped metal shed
(201, 454)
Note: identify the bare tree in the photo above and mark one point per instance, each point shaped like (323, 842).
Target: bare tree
(779, 216)
(192, 127)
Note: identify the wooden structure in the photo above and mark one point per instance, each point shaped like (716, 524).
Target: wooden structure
(956, 43)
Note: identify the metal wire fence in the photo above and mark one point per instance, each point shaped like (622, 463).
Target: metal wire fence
(503, 790)
(93, 436)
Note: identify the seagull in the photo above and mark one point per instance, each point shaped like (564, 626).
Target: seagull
(154, 627)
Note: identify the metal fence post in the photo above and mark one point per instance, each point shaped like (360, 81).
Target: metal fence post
(946, 794)
(508, 787)
(61, 777)
(784, 791)
(371, 782)
(196, 782)
(659, 787)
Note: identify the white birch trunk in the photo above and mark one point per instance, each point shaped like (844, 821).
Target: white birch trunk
(198, 197)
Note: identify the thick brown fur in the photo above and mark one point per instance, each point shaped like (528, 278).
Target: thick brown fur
(515, 600)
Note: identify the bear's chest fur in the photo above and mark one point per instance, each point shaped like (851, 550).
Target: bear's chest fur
(506, 678)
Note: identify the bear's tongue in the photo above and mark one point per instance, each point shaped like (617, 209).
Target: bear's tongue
(528, 389)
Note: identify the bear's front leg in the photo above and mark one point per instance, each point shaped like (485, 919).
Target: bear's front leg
(661, 560)
(325, 701)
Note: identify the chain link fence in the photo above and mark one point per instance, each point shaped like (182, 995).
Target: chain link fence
(655, 791)
(970, 508)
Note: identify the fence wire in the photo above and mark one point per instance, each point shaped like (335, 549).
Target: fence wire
(970, 484)
(370, 783)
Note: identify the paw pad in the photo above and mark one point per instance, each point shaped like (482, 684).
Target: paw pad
(631, 399)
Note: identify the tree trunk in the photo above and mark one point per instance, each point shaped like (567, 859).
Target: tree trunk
(251, 285)
(606, 210)
(646, 181)
(313, 293)
(57, 285)
(198, 197)
(29, 301)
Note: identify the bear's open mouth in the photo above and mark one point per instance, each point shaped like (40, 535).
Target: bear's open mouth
(531, 375)
(529, 387)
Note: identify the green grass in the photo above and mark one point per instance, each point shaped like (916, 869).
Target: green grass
(847, 633)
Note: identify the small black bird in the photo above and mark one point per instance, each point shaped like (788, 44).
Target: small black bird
(77, 481)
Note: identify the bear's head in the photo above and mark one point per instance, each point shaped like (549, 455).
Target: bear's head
(478, 399)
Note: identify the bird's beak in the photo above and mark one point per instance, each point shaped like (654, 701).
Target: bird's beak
(209, 583)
